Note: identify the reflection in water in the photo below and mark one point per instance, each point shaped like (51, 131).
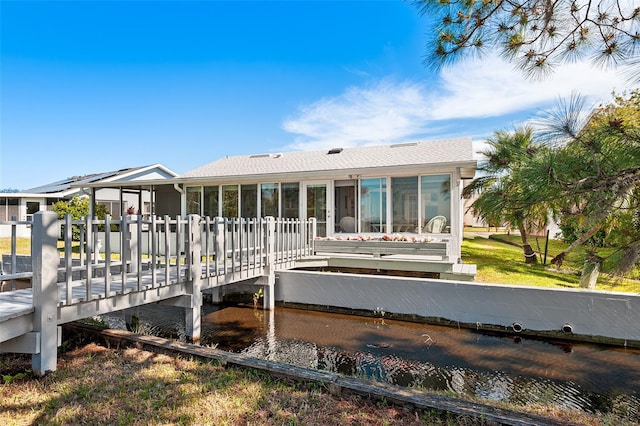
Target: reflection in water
(503, 368)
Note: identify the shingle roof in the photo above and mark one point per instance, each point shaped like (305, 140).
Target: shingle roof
(404, 154)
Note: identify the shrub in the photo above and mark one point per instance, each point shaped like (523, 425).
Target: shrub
(571, 230)
(78, 208)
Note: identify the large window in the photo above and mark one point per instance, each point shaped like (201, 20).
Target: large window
(435, 208)
(317, 206)
(33, 207)
(344, 206)
(405, 204)
(210, 204)
(230, 201)
(249, 201)
(194, 199)
(290, 207)
(113, 208)
(373, 205)
(269, 199)
(9, 208)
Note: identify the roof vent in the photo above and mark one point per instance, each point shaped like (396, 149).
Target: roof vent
(277, 155)
(335, 151)
(400, 145)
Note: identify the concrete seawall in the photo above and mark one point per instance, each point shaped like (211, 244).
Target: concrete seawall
(596, 316)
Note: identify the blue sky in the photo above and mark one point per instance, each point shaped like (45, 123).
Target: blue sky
(88, 87)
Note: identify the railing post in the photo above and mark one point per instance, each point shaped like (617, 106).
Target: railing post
(194, 282)
(133, 248)
(219, 235)
(45, 259)
(14, 261)
(313, 227)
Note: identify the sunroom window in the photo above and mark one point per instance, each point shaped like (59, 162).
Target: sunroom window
(210, 204)
(230, 201)
(435, 191)
(249, 201)
(373, 205)
(194, 195)
(405, 203)
(269, 199)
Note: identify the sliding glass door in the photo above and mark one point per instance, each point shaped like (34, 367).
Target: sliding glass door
(317, 205)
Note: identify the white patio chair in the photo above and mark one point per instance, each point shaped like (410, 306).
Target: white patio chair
(436, 224)
(348, 224)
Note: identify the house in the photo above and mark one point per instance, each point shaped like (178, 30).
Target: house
(407, 188)
(23, 204)
(373, 190)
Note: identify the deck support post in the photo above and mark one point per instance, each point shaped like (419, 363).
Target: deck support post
(194, 283)
(268, 279)
(45, 259)
(269, 294)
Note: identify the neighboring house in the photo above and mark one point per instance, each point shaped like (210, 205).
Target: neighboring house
(475, 221)
(23, 204)
(469, 218)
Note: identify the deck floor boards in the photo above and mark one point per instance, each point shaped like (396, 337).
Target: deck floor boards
(17, 303)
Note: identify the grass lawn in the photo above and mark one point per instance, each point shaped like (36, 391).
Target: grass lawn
(499, 261)
(23, 245)
(96, 385)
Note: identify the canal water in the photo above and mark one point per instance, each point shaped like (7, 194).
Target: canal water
(512, 369)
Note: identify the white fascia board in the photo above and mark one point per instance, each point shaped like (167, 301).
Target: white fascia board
(413, 169)
(60, 194)
(127, 184)
(141, 170)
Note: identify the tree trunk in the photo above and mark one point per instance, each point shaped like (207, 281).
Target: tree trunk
(590, 272)
(523, 234)
(529, 254)
(557, 260)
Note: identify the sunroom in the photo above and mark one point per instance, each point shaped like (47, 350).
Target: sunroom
(399, 189)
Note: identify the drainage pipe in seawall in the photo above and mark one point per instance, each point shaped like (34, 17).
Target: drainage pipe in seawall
(583, 315)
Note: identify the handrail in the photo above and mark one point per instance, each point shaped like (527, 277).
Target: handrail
(107, 255)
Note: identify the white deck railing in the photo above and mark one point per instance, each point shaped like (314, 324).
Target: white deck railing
(110, 257)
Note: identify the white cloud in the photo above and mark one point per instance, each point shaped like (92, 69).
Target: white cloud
(491, 87)
(389, 110)
(382, 112)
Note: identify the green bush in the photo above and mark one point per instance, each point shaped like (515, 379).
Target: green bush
(571, 230)
(78, 208)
